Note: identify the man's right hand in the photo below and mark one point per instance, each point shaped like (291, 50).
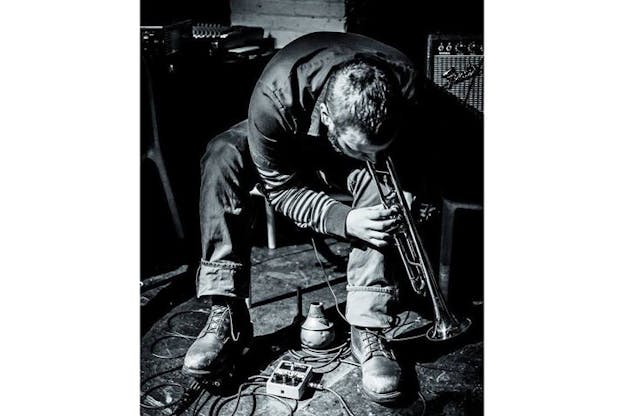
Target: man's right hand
(374, 224)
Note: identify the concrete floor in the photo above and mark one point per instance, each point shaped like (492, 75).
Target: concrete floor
(449, 375)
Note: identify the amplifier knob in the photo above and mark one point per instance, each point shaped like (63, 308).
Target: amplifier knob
(441, 47)
(472, 48)
(460, 48)
(449, 47)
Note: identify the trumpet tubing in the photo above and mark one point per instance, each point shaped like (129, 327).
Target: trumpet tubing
(413, 255)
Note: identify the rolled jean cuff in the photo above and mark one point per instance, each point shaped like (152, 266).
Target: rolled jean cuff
(370, 306)
(224, 278)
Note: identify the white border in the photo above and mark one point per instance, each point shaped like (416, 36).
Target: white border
(70, 192)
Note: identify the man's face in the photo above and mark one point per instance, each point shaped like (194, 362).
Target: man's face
(353, 143)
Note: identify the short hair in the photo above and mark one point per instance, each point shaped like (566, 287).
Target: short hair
(362, 94)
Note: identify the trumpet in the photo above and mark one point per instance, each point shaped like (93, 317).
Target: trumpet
(413, 255)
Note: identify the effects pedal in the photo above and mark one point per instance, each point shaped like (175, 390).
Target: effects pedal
(289, 380)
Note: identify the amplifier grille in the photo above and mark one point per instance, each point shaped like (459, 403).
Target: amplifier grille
(469, 91)
(455, 63)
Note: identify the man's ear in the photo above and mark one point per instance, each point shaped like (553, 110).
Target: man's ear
(325, 119)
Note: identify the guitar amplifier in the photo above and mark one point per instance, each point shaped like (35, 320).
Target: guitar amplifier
(455, 63)
(225, 37)
(165, 40)
(172, 39)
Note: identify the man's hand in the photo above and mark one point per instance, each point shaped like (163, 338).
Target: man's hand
(374, 225)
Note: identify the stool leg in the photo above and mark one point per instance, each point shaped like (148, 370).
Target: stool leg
(155, 155)
(271, 230)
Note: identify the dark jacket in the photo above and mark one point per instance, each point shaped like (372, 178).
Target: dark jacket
(284, 120)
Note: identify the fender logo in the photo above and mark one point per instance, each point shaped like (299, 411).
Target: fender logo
(453, 76)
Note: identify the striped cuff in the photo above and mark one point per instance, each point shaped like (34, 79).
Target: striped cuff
(336, 219)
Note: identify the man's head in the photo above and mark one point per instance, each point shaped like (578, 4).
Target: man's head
(360, 110)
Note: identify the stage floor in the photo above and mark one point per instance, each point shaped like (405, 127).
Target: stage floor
(449, 375)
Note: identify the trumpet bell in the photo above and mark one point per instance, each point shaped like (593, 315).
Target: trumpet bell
(441, 331)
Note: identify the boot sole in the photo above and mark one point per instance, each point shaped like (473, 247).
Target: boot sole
(194, 372)
(385, 398)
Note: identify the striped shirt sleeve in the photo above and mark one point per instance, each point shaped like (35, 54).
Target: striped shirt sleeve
(306, 207)
(269, 136)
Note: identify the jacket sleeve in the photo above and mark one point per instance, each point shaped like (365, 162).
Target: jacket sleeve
(272, 148)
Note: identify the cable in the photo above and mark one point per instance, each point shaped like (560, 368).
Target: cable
(262, 376)
(286, 255)
(279, 257)
(165, 405)
(318, 359)
(239, 395)
(318, 259)
(195, 392)
(198, 407)
(166, 357)
(410, 338)
(342, 401)
(321, 360)
(145, 394)
(153, 376)
(240, 388)
(170, 323)
(424, 402)
(219, 403)
(320, 386)
(190, 394)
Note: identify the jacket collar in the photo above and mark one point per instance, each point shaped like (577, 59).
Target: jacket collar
(315, 118)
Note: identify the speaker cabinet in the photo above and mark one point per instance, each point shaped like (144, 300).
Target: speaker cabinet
(455, 64)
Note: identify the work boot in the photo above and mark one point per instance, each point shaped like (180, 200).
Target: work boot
(227, 332)
(381, 373)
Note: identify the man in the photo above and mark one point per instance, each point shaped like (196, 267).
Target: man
(325, 104)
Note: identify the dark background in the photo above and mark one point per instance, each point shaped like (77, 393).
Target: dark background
(199, 96)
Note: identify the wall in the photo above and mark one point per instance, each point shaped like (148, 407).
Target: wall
(163, 12)
(286, 20)
(406, 24)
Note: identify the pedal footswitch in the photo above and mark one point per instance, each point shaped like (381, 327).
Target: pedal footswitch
(289, 379)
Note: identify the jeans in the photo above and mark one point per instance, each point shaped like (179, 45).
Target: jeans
(228, 175)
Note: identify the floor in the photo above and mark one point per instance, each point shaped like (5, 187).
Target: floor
(449, 375)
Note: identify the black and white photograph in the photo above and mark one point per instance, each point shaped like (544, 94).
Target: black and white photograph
(312, 208)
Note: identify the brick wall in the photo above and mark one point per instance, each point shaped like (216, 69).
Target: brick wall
(286, 20)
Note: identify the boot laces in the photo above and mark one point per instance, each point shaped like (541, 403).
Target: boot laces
(375, 344)
(215, 320)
